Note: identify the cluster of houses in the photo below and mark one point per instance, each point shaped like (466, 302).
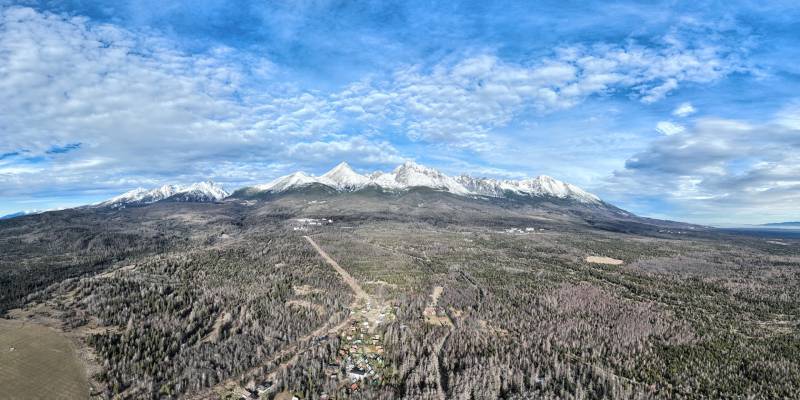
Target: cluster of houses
(359, 360)
(360, 356)
(519, 231)
(258, 390)
(302, 224)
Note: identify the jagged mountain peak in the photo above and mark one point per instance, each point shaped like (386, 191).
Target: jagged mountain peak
(201, 191)
(342, 166)
(197, 192)
(411, 174)
(412, 165)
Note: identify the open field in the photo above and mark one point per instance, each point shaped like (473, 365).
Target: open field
(37, 362)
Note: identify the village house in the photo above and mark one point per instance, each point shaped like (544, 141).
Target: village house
(357, 374)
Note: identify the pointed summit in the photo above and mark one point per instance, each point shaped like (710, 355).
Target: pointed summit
(342, 166)
(343, 177)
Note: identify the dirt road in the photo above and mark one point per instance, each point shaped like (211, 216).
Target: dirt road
(348, 279)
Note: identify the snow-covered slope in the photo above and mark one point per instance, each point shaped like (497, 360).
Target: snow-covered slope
(410, 174)
(343, 177)
(200, 192)
(539, 186)
(293, 180)
(196, 192)
(140, 196)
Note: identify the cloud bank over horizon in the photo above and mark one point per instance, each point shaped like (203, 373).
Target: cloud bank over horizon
(667, 119)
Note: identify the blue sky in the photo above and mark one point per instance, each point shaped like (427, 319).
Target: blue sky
(676, 110)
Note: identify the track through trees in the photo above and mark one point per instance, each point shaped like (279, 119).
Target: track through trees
(348, 279)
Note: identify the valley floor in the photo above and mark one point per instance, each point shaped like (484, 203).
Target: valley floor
(255, 301)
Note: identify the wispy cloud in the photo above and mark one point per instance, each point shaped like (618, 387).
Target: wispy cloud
(461, 103)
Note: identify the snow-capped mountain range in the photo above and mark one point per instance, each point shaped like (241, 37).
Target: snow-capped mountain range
(196, 192)
(410, 174)
(342, 178)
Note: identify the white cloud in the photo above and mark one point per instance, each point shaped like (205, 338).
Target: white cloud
(669, 128)
(721, 170)
(684, 110)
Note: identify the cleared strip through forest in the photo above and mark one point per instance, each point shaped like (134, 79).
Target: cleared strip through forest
(348, 279)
